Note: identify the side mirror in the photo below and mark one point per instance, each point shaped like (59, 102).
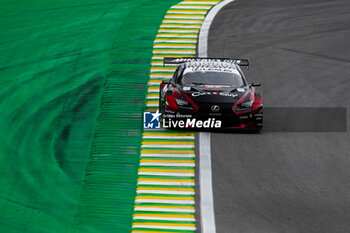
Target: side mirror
(166, 82)
(255, 84)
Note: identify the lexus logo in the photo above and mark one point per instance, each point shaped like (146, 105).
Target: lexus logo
(215, 108)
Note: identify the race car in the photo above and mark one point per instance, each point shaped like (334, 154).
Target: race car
(211, 88)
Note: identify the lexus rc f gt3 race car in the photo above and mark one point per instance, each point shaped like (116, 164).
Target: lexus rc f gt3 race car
(211, 88)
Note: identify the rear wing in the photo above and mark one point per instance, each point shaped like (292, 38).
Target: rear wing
(178, 60)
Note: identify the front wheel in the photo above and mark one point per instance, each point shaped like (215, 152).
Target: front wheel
(161, 102)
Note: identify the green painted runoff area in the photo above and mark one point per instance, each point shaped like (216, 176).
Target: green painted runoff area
(73, 80)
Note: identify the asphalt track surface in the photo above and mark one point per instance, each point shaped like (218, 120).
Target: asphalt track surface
(281, 181)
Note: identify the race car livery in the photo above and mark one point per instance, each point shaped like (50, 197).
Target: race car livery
(214, 89)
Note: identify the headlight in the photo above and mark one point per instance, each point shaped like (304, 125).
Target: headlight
(181, 102)
(247, 104)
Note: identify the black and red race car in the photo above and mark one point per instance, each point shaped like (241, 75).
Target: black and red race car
(207, 88)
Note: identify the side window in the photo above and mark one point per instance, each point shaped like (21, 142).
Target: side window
(177, 74)
(242, 74)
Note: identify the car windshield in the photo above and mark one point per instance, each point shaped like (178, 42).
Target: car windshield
(213, 78)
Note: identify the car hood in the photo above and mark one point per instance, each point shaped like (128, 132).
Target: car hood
(214, 94)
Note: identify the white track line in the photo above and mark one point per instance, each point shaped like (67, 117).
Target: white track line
(164, 218)
(204, 31)
(164, 209)
(197, 3)
(167, 155)
(162, 70)
(190, 7)
(183, 17)
(161, 201)
(182, 21)
(166, 192)
(166, 146)
(177, 26)
(170, 137)
(168, 164)
(205, 174)
(181, 174)
(166, 183)
(174, 52)
(164, 227)
(172, 47)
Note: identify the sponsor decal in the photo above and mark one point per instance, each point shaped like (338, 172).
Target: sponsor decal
(151, 120)
(213, 86)
(228, 94)
(205, 60)
(215, 108)
(186, 88)
(240, 90)
(196, 94)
